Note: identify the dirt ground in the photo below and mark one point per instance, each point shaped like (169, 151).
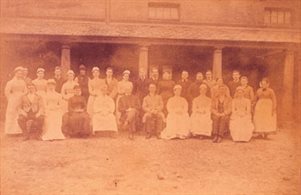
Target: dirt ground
(120, 166)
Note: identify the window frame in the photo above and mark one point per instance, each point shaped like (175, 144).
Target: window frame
(277, 10)
(164, 5)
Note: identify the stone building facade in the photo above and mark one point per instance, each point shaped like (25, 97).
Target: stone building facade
(258, 37)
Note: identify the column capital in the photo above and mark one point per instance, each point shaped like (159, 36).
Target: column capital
(218, 48)
(289, 51)
(144, 46)
(66, 46)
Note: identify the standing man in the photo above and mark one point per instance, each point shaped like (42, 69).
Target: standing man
(154, 76)
(194, 88)
(141, 85)
(235, 82)
(209, 81)
(83, 80)
(59, 80)
(31, 113)
(184, 82)
(112, 83)
(153, 117)
(129, 106)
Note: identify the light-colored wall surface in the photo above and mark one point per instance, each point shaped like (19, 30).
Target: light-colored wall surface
(216, 12)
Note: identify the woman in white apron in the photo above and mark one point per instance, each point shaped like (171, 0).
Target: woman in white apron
(94, 85)
(53, 113)
(40, 83)
(265, 117)
(103, 112)
(68, 89)
(201, 123)
(14, 90)
(177, 121)
(241, 125)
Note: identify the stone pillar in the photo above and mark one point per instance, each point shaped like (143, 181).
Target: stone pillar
(288, 85)
(65, 58)
(143, 60)
(217, 63)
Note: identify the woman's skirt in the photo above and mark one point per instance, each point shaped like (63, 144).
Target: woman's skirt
(264, 119)
(241, 128)
(90, 104)
(104, 123)
(201, 124)
(53, 126)
(11, 116)
(177, 126)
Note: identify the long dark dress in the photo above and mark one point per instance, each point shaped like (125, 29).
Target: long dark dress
(76, 122)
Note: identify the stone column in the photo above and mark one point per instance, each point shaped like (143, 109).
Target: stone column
(288, 85)
(65, 58)
(143, 60)
(217, 63)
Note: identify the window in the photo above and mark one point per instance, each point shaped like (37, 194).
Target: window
(163, 11)
(277, 16)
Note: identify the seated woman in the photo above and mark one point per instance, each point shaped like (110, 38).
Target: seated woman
(177, 121)
(241, 126)
(103, 112)
(201, 123)
(53, 113)
(76, 122)
(221, 110)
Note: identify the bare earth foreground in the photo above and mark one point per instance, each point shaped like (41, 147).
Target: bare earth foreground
(120, 166)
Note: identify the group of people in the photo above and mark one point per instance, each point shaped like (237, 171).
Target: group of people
(80, 106)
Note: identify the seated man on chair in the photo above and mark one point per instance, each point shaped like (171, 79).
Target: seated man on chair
(76, 122)
(129, 106)
(153, 117)
(31, 113)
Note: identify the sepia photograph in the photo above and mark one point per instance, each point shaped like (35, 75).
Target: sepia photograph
(150, 97)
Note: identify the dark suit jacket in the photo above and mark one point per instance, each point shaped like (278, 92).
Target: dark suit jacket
(36, 106)
(227, 105)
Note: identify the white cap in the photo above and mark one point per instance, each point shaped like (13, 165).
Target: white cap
(18, 68)
(40, 70)
(95, 68)
(51, 81)
(70, 72)
(126, 72)
(203, 86)
(177, 87)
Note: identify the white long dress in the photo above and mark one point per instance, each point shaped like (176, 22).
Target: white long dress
(103, 114)
(177, 121)
(14, 90)
(41, 85)
(265, 120)
(67, 92)
(94, 85)
(53, 116)
(241, 125)
(201, 123)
